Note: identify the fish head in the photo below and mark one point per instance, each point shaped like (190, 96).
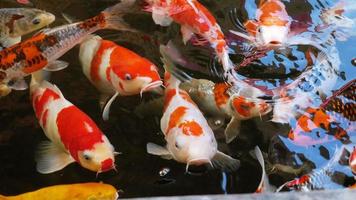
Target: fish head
(191, 143)
(100, 158)
(136, 79)
(246, 109)
(352, 161)
(28, 21)
(272, 36)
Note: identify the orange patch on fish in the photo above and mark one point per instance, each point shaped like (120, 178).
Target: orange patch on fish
(175, 117)
(242, 106)
(172, 92)
(191, 128)
(272, 13)
(220, 94)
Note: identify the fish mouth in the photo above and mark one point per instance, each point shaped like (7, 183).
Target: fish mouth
(151, 86)
(198, 166)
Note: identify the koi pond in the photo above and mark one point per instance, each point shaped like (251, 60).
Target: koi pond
(300, 54)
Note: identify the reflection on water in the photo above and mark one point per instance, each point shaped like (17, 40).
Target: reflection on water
(306, 75)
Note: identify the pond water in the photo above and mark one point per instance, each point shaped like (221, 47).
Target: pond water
(133, 123)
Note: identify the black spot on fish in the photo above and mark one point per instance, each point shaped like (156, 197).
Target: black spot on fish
(324, 152)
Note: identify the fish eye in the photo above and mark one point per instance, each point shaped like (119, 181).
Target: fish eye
(36, 21)
(177, 145)
(86, 157)
(128, 77)
(259, 29)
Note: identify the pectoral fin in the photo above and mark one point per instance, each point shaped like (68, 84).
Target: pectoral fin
(19, 84)
(106, 111)
(157, 150)
(51, 158)
(225, 162)
(56, 66)
(264, 185)
(232, 130)
(187, 34)
(161, 17)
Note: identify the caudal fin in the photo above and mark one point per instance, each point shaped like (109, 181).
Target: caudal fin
(114, 15)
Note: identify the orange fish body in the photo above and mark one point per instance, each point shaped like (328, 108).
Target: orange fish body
(194, 18)
(115, 70)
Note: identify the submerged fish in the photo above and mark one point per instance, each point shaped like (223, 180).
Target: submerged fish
(271, 27)
(307, 90)
(335, 119)
(264, 185)
(317, 179)
(80, 191)
(115, 70)
(189, 138)
(16, 22)
(194, 18)
(74, 136)
(222, 100)
(43, 49)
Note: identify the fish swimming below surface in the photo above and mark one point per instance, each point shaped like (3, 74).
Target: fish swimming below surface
(79, 191)
(74, 137)
(16, 22)
(115, 70)
(335, 119)
(43, 49)
(189, 138)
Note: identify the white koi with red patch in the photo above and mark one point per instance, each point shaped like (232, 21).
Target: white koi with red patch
(194, 18)
(74, 137)
(189, 138)
(115, 70)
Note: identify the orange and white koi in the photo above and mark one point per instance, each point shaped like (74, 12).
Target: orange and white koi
(222, 100)
(43, 49)
(74, 136)
(189, 138)
(115, 70)
(271, 26)
(194, 18)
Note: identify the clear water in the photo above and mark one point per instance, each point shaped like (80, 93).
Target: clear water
(140, 174)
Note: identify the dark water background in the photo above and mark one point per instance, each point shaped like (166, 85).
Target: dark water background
(138, 173)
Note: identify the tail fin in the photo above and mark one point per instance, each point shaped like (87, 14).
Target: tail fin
(168, 53)
(114, 15)
(171, 76)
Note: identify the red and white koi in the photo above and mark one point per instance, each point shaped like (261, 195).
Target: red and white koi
(74, 136)
(194, 18)
(189, 138)
(115, 70)
(222, 100)
(43, 49)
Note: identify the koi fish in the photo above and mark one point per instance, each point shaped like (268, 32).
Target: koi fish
(189, 138)
(264, 185)
(74, 136)
(317, 179)
(43, 49)
(222, 100)
(333, 120)
(293, 99)
(271, 26)
(115, 70)
(71, 191)
(16, 22)
(194, 18)
(23, 1)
